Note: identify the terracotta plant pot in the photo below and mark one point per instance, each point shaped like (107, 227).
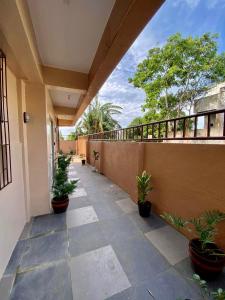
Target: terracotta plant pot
(83, 162)
(60, 205)
(206, 266)
(144, 209)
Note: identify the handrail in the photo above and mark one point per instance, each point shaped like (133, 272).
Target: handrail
(180, 128)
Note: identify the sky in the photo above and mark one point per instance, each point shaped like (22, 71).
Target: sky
(189, 17)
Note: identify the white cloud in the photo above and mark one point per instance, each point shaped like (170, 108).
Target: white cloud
(191, 3)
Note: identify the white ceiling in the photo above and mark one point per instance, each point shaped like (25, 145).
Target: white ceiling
(68, 31)
(64, 98)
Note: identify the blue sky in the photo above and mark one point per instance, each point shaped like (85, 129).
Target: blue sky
(189, 17)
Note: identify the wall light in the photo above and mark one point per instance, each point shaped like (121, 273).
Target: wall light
(26, 117)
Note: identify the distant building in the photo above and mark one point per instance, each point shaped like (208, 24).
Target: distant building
(213, 100)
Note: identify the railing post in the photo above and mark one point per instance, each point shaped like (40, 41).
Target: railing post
(174, 128)
(166, 133)
(224, 124)
(208, 125)
(141, 132)
(195, 129)
(184, 127)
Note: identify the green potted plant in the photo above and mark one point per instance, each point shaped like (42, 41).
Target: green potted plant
(62, 187)
(96, 155)
(207, 258)
(206, 294)
(144, 187)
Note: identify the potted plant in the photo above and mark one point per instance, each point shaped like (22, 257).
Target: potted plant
(143, 184)
(62, 187)
(83, 160)
(206, 293)
(207, 258)
(96, 157)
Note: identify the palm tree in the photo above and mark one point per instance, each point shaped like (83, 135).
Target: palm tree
(99, 117)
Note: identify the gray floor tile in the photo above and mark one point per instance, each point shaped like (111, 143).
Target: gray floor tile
(16, 257)
(97, 275)
(107, 210)
(140, 260)
(78, 202)
(169, 285)
(26, 231)
(119, 228)
(147, 224)
(127, 205)
(45, 249)
(79, 192)
(81, 216)
(72, 173)
(85, 238)
(170, 243)
(49, 283)
(133, 293)
(6, 285)
(48, 223)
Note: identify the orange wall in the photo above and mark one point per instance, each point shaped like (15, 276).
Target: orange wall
(82, 145)
(67, 146)
(187, 178)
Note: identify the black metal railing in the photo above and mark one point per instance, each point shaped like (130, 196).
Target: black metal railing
(209, 125)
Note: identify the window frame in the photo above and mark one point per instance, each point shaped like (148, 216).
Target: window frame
(5, 151)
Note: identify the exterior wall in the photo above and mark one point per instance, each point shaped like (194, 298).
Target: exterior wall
(188, 179)
(12, 198)
(82, 146)
(67, 146)
(37, 149)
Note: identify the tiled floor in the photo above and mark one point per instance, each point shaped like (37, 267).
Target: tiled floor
(100, 249)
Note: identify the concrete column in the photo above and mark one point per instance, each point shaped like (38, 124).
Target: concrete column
(37, 149)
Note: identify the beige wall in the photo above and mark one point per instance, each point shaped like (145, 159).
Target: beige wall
(12, 198)
(67, 146)
(188, 179)
(37, 149)
(82, 145)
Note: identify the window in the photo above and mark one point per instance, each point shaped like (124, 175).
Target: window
(5, 158)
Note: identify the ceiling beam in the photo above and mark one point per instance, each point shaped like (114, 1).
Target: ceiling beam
(62, 110)
(65, 122)
(125, 23)
(65, 78)
(16, 26)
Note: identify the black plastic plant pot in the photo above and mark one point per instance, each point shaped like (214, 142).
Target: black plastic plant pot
(144, 208)
(83, 162)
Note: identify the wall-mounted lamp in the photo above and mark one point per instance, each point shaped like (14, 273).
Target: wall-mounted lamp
(26, 117)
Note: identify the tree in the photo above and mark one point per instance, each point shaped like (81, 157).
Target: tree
(176, 75)
(99, 117)
(72, 136)
(136, 121)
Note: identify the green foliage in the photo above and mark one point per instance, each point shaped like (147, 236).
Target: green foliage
(136, 121)
(72, 136)
(204, 226)
(62, 187)
(219, 294)
(99, 117)
(64, 162)
(177, 74)
(144, 187)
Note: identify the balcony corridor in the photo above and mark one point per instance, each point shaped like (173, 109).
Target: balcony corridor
(100, 249)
